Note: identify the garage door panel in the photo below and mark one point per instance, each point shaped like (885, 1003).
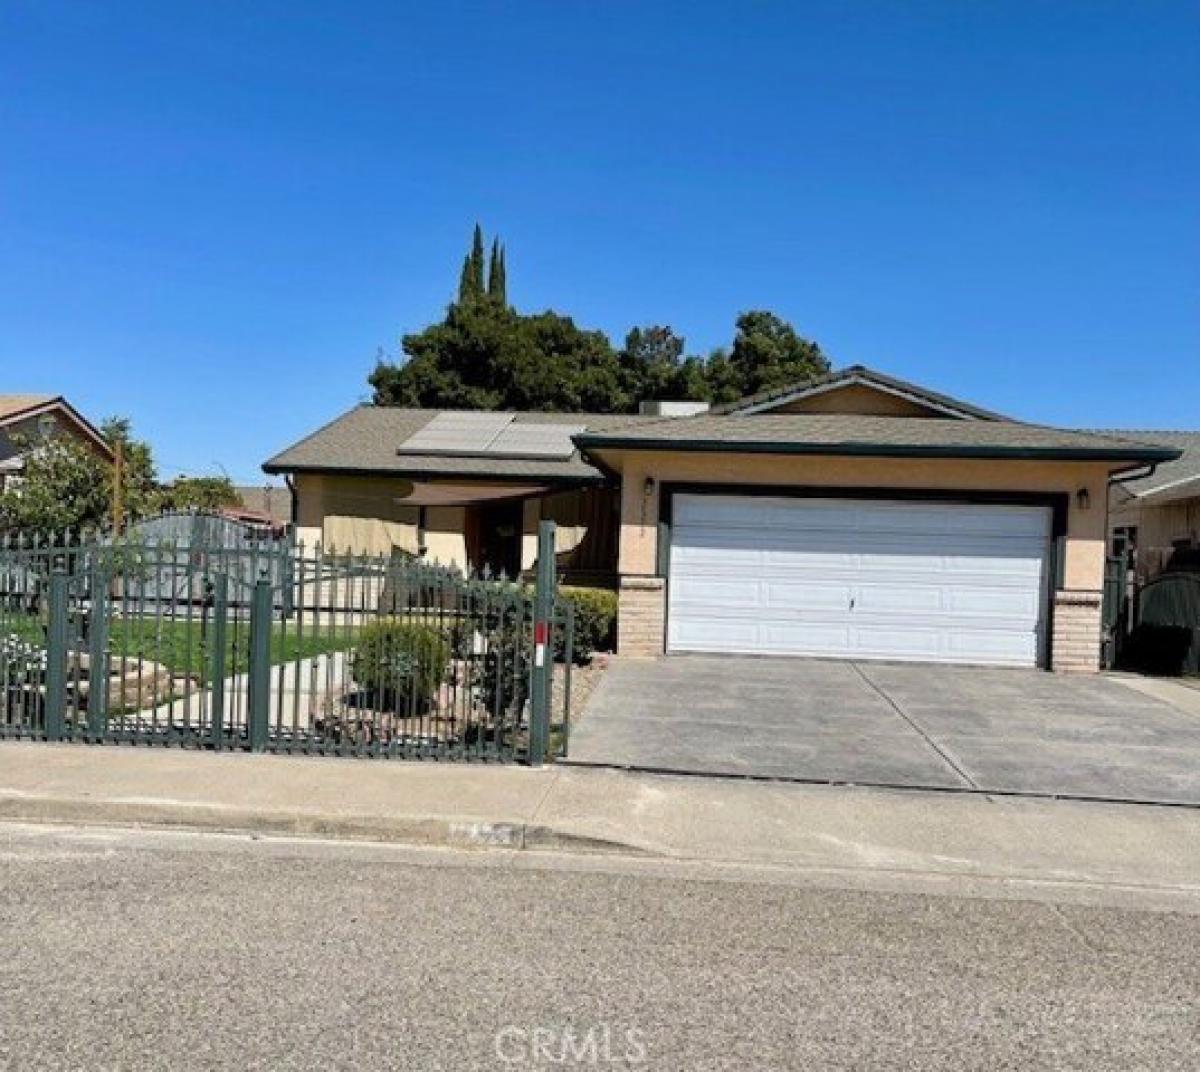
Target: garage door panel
(1009, 649)
(808, 559)
(697, 633)
(804, 637)
(887, 643)
(800, 597)
(729, 593)
(907, 599)
(927, 581)
(1016, 603)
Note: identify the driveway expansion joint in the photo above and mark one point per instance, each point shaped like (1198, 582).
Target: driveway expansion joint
(946, 756)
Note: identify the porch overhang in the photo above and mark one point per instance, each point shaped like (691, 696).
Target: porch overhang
(422, 493)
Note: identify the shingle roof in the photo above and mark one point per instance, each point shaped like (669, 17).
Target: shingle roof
(15, 407)
(858, 374)
(1171, 480)
(368, 439)
(10, 405)
(803, 433)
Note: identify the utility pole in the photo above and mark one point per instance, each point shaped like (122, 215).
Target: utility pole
(118, 504)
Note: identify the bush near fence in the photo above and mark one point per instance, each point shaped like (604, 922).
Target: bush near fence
(400, 663)
(595, 621)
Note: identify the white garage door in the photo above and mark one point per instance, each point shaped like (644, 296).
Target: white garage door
(930, 582)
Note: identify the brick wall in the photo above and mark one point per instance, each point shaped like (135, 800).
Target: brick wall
(1075, 647)
(641, 617)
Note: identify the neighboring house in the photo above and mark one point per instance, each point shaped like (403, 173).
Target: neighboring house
(262, 505)
(1156, 515)
(854, 516)
(27, 418)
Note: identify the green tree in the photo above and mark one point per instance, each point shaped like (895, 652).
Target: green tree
(497, 286)
(64, 485)
(654, 366)
(139, 482)
(486, 355)
(198, 493)
(470, 284)
(767, 353)
(722, 381)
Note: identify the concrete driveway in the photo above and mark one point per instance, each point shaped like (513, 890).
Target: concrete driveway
(895, 724)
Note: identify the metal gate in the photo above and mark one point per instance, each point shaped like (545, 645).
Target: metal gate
(325, 654)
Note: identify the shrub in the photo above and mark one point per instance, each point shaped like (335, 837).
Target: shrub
(400, 662)
(595, 621)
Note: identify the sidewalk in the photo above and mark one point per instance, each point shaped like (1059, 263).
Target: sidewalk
(561, 808)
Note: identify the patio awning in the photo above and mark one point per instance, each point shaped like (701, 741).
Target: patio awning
(465, 494)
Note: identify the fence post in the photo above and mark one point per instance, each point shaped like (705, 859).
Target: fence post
(56, 657)
(543, 646)
(216, 664)
(260, 665)
(98, 661)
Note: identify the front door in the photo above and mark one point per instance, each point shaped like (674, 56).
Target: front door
(500, 538)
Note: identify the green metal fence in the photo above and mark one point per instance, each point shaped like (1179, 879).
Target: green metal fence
(279, 648)
(1114, 610)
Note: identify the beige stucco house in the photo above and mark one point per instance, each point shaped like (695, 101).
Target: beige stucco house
(856, 516)
(1156, 515)
(26, 418)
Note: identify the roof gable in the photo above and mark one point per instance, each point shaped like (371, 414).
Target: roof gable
(860, 391)
(17, 411)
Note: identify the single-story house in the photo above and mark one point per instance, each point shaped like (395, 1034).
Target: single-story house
(1156, 516)
(27, 418)
(854, 516)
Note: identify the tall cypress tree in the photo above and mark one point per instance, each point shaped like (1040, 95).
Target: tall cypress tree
(464, 281)
(477, 263)
(470, 282)
(497, 284)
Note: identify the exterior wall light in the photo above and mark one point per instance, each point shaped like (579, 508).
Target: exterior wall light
(1083, 499)
(648, 487)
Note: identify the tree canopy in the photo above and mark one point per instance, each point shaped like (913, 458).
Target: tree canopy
(198, 493)
(484, 354)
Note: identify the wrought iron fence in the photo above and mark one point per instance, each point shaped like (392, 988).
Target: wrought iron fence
(298, 651)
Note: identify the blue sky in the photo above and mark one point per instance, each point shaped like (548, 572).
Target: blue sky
(213, 214)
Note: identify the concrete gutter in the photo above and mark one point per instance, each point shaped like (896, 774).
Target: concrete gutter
(601, 811)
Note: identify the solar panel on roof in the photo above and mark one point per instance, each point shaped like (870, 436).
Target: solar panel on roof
(494, 435)
(536, 441)
(457, 433)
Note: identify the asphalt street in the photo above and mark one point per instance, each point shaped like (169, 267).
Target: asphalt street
(150, 950)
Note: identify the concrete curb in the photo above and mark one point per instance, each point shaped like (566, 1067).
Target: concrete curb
(424, 831)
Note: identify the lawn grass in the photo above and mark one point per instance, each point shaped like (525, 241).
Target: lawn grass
(183, 648)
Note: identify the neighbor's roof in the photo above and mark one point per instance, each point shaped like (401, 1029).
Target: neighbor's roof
(910, 437)
(368, 440)
(18, 407)
(764, 401)
(1171, 480)
(15, 405)
(271, 502)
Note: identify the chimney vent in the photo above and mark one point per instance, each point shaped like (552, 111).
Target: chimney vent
(656, 407)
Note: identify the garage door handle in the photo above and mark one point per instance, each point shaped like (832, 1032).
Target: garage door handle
(851, 602)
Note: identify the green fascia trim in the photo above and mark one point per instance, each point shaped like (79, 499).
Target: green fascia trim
(885, 450)
(436, 474)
